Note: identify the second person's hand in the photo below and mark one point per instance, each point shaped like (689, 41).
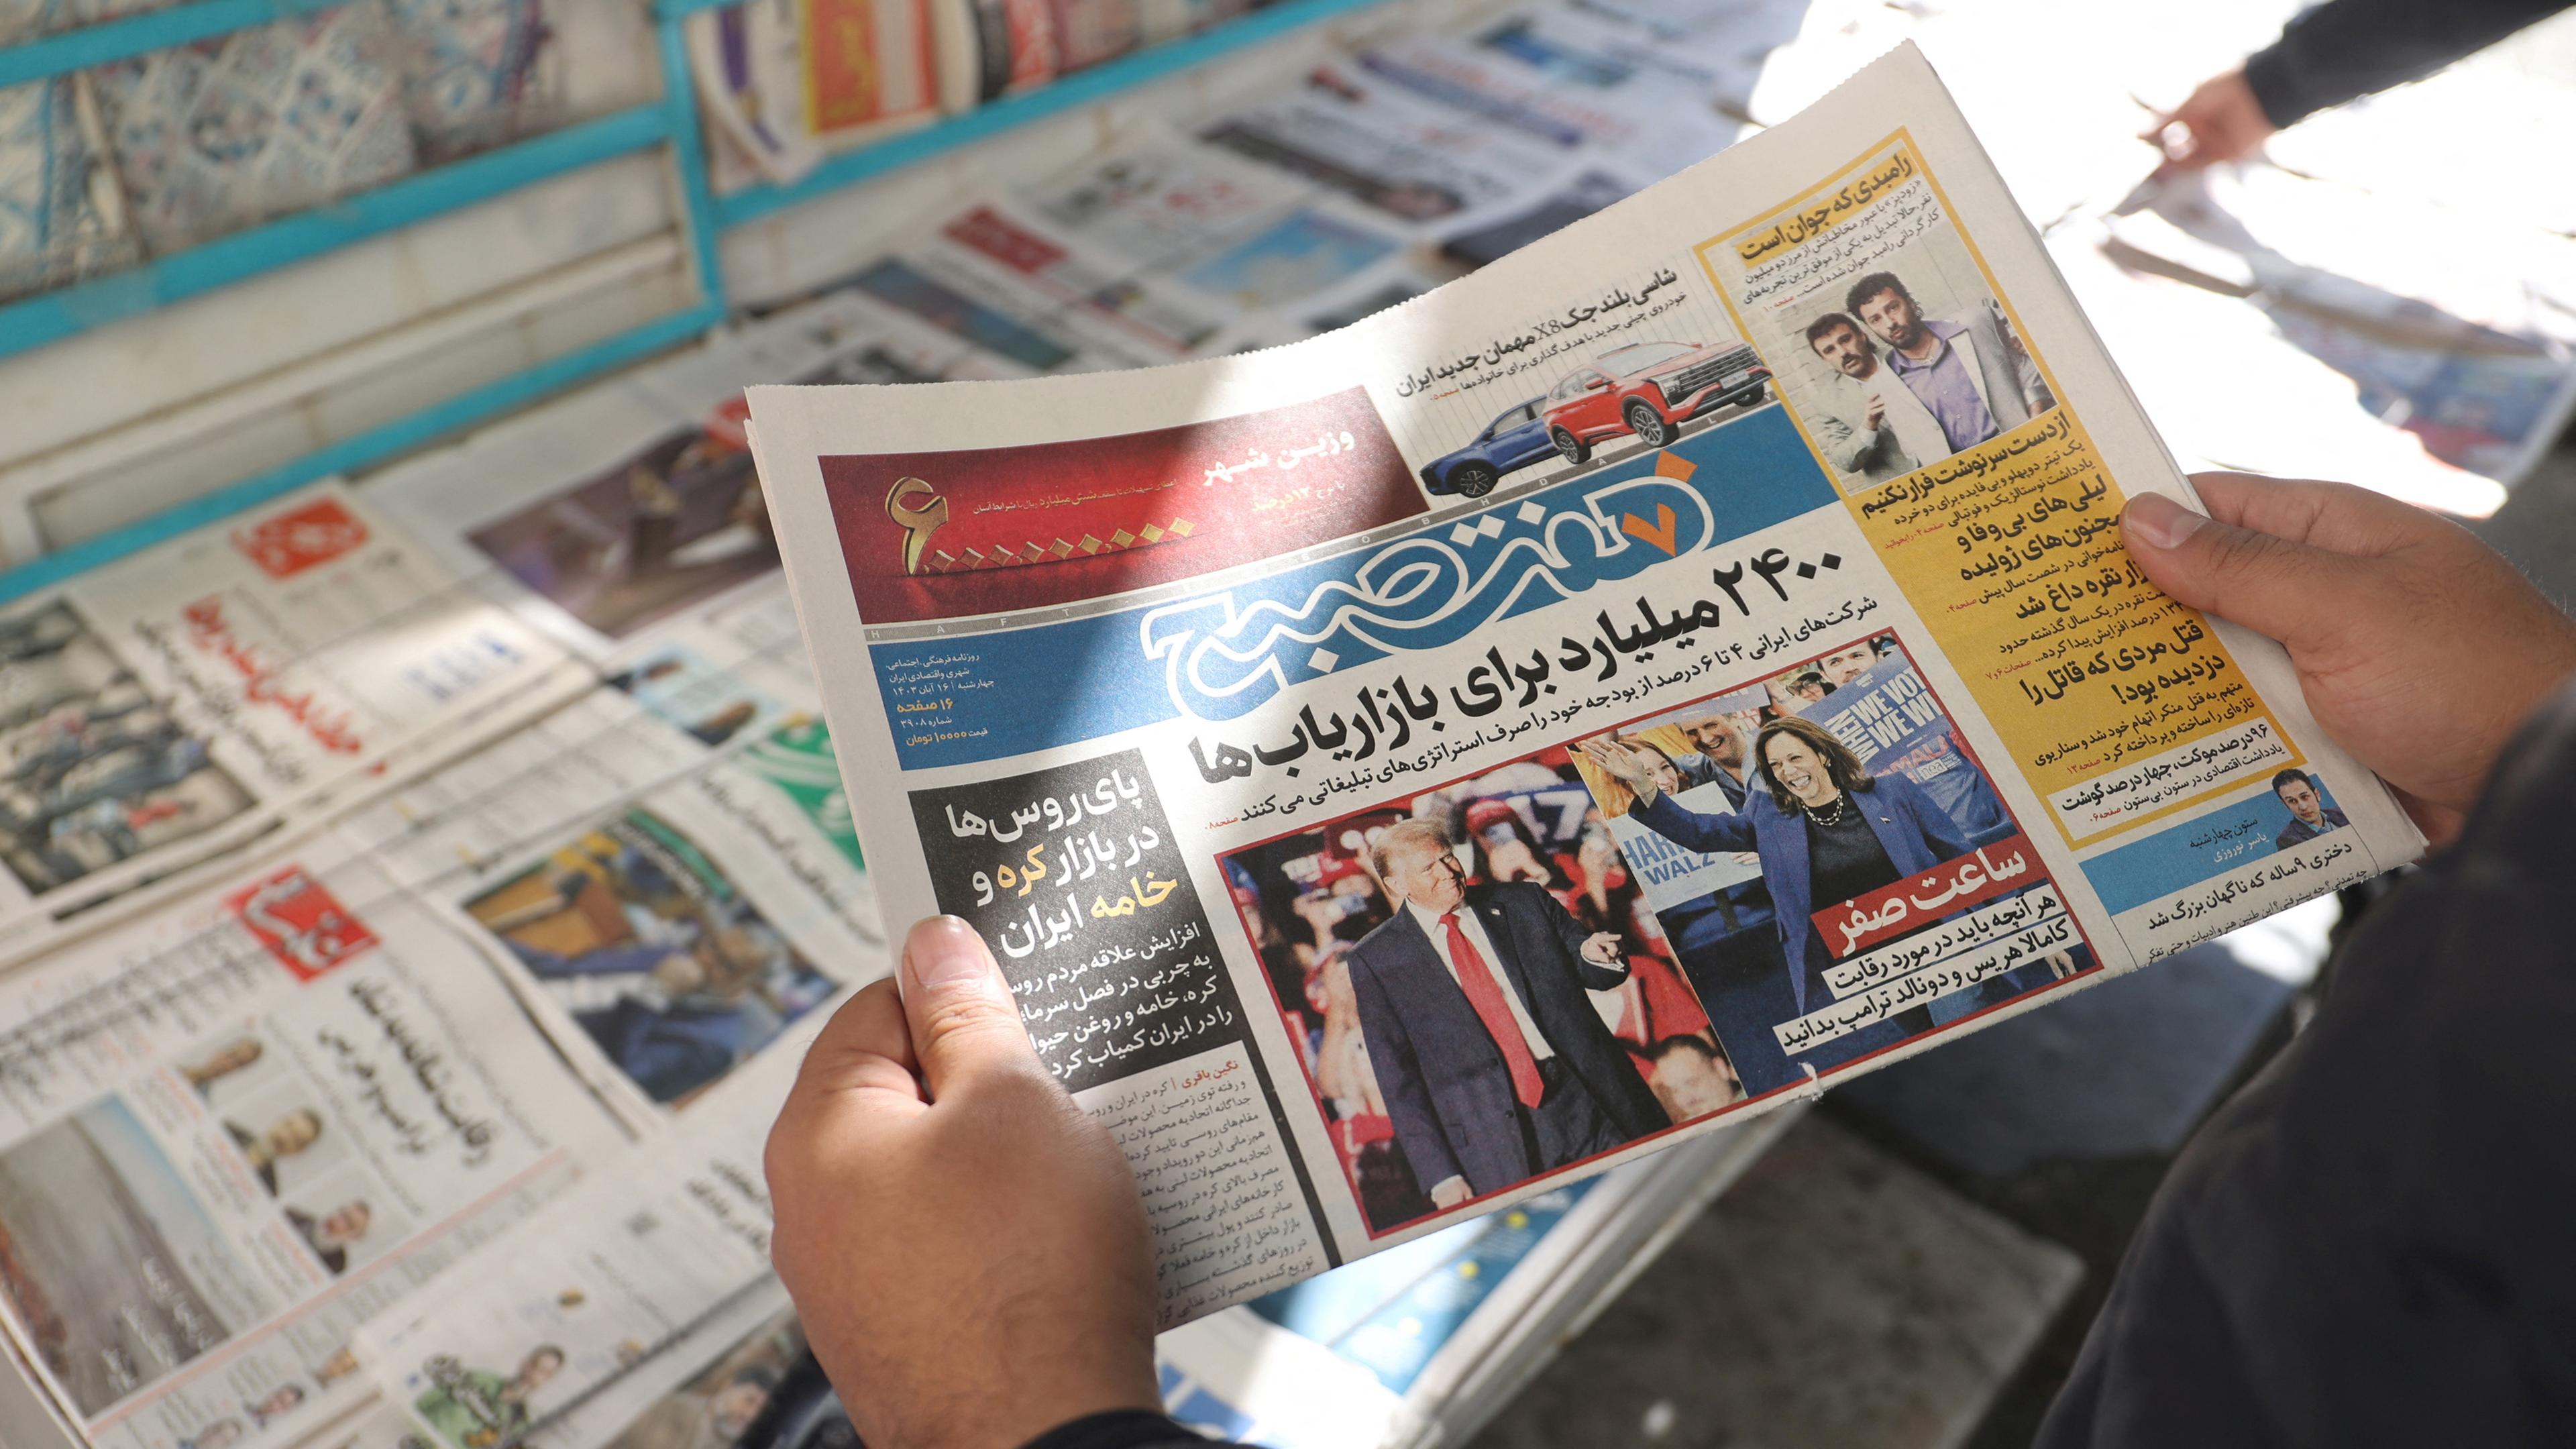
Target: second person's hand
(2219, 121)
(2419, 648)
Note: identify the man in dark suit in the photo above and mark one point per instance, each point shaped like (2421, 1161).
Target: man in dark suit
(1494, 1065)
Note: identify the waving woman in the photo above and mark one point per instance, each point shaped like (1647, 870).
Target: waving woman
(1825, 830)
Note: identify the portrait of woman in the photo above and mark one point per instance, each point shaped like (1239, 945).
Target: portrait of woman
(1824, 829)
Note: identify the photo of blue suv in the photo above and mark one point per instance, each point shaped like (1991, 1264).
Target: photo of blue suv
(1515, 439)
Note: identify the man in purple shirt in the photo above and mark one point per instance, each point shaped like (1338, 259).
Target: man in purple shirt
(1968, 374)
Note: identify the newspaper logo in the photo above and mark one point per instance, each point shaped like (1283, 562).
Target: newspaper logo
(1227, 654)
(301, 924)
(289, 543)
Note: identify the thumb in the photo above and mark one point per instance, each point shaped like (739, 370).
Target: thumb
(964, 1020)
(2292, 591)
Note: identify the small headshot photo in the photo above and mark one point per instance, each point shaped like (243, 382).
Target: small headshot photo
(223, 1062)
(342, 1363)
(2310, 814)
(288, 1135)
(274, 1405)
(335, 1232)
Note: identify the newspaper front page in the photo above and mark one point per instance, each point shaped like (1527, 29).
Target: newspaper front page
(171, 707)
(231, 1134)
(1688, 661)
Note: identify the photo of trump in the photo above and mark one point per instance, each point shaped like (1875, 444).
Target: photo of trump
(1495, 1067)
(1478, 987)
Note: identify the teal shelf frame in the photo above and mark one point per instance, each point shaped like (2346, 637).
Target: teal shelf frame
(670, 125)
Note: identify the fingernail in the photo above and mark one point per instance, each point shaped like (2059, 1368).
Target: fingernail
(944, 952)
(2159, 521)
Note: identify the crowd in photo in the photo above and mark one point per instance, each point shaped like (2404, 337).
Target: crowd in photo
(1820, 784)
(1598, 1037)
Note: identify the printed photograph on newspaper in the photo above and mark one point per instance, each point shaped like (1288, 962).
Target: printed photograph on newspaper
(1686, 663)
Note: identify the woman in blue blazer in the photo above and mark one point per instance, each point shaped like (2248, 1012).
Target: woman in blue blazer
(1826, 830)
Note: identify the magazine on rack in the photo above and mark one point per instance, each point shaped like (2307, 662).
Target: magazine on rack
(1687, 662)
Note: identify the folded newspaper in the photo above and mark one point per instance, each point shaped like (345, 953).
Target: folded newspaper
(1687, 662)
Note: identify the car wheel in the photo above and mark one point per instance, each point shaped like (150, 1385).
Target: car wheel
(1574, 448)
(1473, 480)
(1648, 424)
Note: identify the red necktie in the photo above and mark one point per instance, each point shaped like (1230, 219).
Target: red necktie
(1485, 993)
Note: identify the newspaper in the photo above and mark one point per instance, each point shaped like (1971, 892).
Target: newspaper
(617, 511)
(666, 871)
(189, 699)
(652, 1254)
(231, 1133)
(638, 906)
(1288, 722)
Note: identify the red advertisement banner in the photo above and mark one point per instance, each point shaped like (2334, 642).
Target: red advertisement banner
(988, 530)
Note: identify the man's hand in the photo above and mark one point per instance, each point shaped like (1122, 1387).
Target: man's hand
(1876, 418)
(965, 1246)
(2221, 121)
(2418, 647)
(1602, 949)
(1448, 1192)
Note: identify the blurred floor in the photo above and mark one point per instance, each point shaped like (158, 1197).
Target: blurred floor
(1914, 1266)
(1833, 1296)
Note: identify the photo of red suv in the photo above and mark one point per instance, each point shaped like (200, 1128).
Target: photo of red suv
(1649, 389)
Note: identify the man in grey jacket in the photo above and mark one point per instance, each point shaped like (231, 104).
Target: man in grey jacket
(1971, 376)
(1865, 420)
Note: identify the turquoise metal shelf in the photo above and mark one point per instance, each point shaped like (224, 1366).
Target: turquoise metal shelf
(53, 316)
(671, 123)
(454, 414)
(137, 34)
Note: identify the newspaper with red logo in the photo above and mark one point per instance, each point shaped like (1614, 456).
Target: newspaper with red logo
(1685, 663)
(235, 1131)
(177, 704)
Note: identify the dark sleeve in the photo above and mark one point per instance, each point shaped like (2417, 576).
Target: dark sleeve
(1571, 935)
(2368, 1245)
(1691, 830)
(2348, 48)
(1119, 1429)
(1399, 1079)
(1940, 832)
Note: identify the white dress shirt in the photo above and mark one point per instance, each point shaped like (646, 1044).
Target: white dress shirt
(1469, 922)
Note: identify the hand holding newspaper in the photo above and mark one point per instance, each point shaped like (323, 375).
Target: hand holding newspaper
(1689, 660)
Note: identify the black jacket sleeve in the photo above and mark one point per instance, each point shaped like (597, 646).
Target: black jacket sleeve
(2347, 48)
(1122, 1429)
(2370, 1244)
